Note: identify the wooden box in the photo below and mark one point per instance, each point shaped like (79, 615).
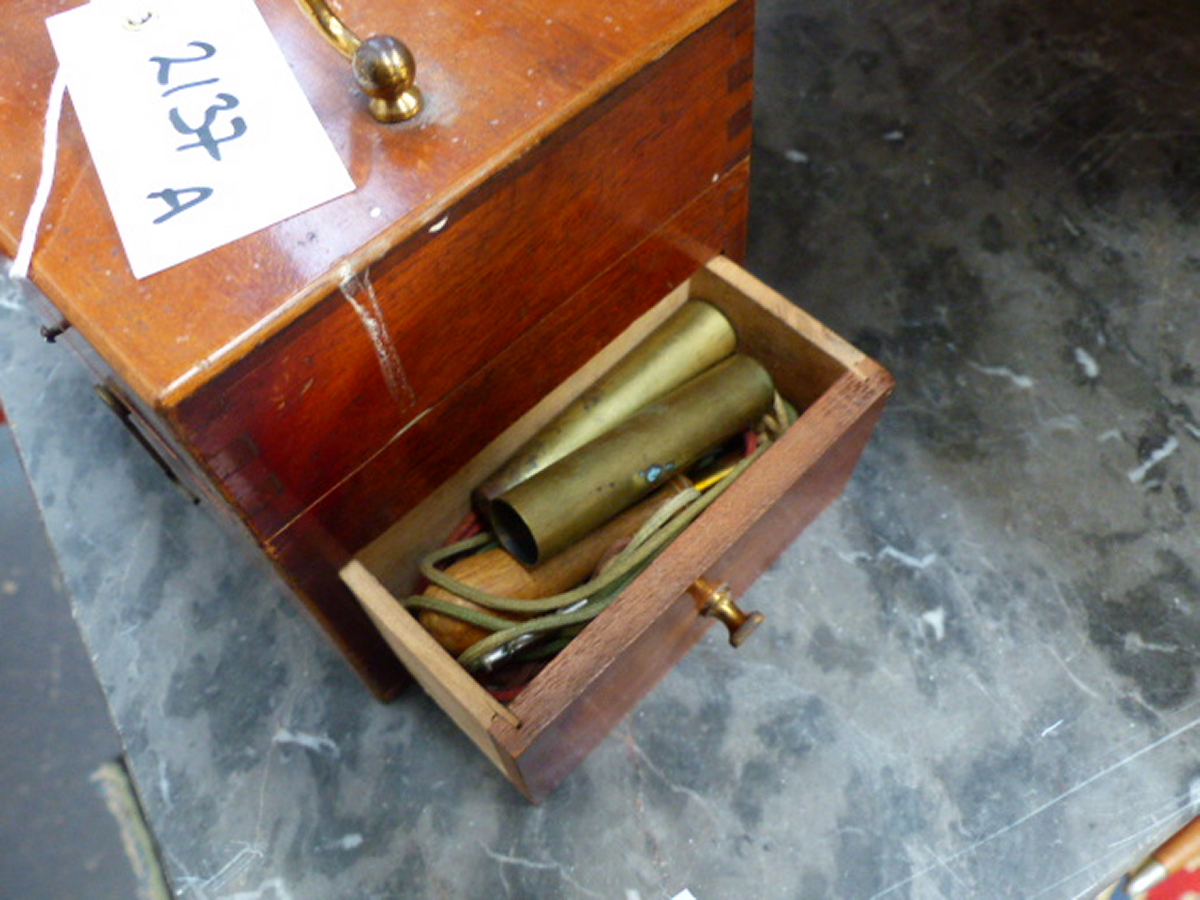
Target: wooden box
(331, 379)
(572, 703)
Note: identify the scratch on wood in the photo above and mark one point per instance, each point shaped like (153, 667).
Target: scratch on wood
(370, 313)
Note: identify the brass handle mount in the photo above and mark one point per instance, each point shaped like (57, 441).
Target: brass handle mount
(718, 601)
(383, 66)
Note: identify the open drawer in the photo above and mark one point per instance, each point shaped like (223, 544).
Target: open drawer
(537, 738)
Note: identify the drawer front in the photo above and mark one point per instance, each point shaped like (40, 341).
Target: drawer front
(274, 427)
(655, 623)
(537, 738)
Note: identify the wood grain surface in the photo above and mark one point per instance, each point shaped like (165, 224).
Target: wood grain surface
(499, 81)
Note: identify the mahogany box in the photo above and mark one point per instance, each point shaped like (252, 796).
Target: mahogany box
(338, 382)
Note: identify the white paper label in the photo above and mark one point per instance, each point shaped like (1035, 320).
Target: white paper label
(197, 126)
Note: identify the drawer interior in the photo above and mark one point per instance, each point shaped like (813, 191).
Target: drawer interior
(831, 383)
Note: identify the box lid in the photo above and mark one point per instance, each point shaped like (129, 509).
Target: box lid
(498, 78)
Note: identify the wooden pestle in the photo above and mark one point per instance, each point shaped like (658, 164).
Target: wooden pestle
(499, 572)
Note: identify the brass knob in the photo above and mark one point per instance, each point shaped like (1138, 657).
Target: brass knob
(383, 66)
(385, 70)
(718, 601)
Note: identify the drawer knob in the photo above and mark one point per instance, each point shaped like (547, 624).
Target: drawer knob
(51, 333)
(718, 601)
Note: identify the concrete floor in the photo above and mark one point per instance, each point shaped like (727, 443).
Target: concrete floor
(58, 840)
(979, 674)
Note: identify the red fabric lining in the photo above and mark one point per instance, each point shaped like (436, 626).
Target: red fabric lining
(1180, 886)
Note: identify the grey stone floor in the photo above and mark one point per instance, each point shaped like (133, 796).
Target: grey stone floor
(58, 841)
(978, 677)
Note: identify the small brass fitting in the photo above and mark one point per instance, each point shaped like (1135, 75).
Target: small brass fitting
(385, 70)
(718, 601)
(383, 66)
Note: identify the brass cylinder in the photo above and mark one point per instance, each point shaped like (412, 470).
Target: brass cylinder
(562, 503)
(695, 337)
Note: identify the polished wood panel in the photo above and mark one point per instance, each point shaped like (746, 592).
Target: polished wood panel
(507, 257)
(500, 80)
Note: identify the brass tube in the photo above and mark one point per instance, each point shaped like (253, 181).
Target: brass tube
(694, 338)
(548, 512)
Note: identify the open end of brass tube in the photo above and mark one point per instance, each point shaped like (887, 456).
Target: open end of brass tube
(513, 534)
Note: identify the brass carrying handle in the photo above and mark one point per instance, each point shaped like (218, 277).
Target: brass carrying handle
(383, 66)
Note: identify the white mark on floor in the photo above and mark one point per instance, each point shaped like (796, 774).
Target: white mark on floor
(856, 556)
(1024, 382)
(164, 786)
(890, 552)
(1135, 643)
(1087, 363)
(563, 871)
(276, 886)
(1138, 475)
(936, 620)
(318, 744)
(206, 888)
(1069, 422)
(1049, 804)
(1053, 728)
(905, 559)
(1079, 683)
(348, 842)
